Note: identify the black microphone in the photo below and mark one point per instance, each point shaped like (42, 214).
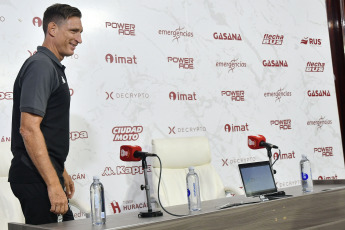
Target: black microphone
(267, 145)
(138, 154)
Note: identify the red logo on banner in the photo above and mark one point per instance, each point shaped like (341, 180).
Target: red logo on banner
(176, 34)
(6, 96)
(236, 161)
(76, 135)
(127, 133)
(237, 95)
(236, 128)
(227, 36)
(32, 53)
(311, 41)
(182, 96)
(315, 67)
(71, 92)
(132, 170)
(273, 39)
(322, 121)
(279, 94)
(284, 156)
(78, 176)
(275, 63)
(325, 151)
(288, 183)
(184, 63)
(108, 171)
(335, 177)
(115, 206)
(234, 63)
(5, 139)
(127, 95)
(109, 58)
(186, 129)
(319, 93)
(37, 21)
(123, 28)
(282, 124)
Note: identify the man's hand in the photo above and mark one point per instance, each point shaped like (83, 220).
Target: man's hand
(58, 199)
(69, 184)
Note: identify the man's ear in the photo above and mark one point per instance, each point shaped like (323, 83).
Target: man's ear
(52, 29)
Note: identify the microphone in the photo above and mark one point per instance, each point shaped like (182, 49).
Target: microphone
(133, 153)
(259, 142)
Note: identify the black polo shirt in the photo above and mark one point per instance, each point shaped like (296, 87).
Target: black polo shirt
(40, 88)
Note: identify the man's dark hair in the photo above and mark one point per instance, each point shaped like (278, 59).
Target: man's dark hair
(58, 13)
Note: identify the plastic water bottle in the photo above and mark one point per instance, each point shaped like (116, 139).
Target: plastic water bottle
(97, 202)
(307, 180)
(193, 191)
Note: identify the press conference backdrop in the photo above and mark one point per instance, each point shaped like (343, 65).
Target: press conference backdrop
(163, 69)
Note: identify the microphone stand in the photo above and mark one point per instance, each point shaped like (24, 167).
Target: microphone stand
(269, 154)
(149, 213)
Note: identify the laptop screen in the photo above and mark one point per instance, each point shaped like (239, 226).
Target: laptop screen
(257, 178)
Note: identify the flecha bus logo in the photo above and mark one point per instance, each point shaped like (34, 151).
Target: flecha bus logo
(270, 39)
(315, 67)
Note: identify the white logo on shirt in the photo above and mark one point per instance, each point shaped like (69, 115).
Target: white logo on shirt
(63, 80)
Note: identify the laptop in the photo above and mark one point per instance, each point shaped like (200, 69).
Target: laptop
(258, 179)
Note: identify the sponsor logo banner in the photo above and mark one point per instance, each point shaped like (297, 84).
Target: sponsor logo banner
(125, 170)
(270, 39)
(74, 135)
(176, 34)
(237, 95)
(236, 128)
(315, 67)
(335, 177)
(127, 133)
(6, 96)
(321, 122)
(231, 65)
(122, 28)
(319, 93)
(284, 156)
(109, 58)
(279, 94)
(177, 96)
(324, 151)
(311, 41)
(37, 21)
(127, 95)
(184, 63)
(174, 130)
(282, 124)
(236, 161)
(227, 36)
(275, 63)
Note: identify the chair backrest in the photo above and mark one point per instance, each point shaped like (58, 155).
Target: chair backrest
(10, 207)
(177, 154)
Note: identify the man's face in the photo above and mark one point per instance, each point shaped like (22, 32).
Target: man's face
(68, 36)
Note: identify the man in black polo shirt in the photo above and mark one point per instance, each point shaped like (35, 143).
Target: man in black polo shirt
(40, 121)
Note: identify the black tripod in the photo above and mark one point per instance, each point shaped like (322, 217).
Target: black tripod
(149, 213)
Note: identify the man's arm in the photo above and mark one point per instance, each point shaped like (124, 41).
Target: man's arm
(37, 150)
(69, 184)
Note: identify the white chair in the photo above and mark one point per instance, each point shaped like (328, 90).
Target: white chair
(10, 210)
(177, 154)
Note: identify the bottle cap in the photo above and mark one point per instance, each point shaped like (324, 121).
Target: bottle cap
(96, 177)
(191, 168)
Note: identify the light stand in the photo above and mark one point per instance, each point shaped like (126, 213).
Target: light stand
(149, 213)
(269, 154)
